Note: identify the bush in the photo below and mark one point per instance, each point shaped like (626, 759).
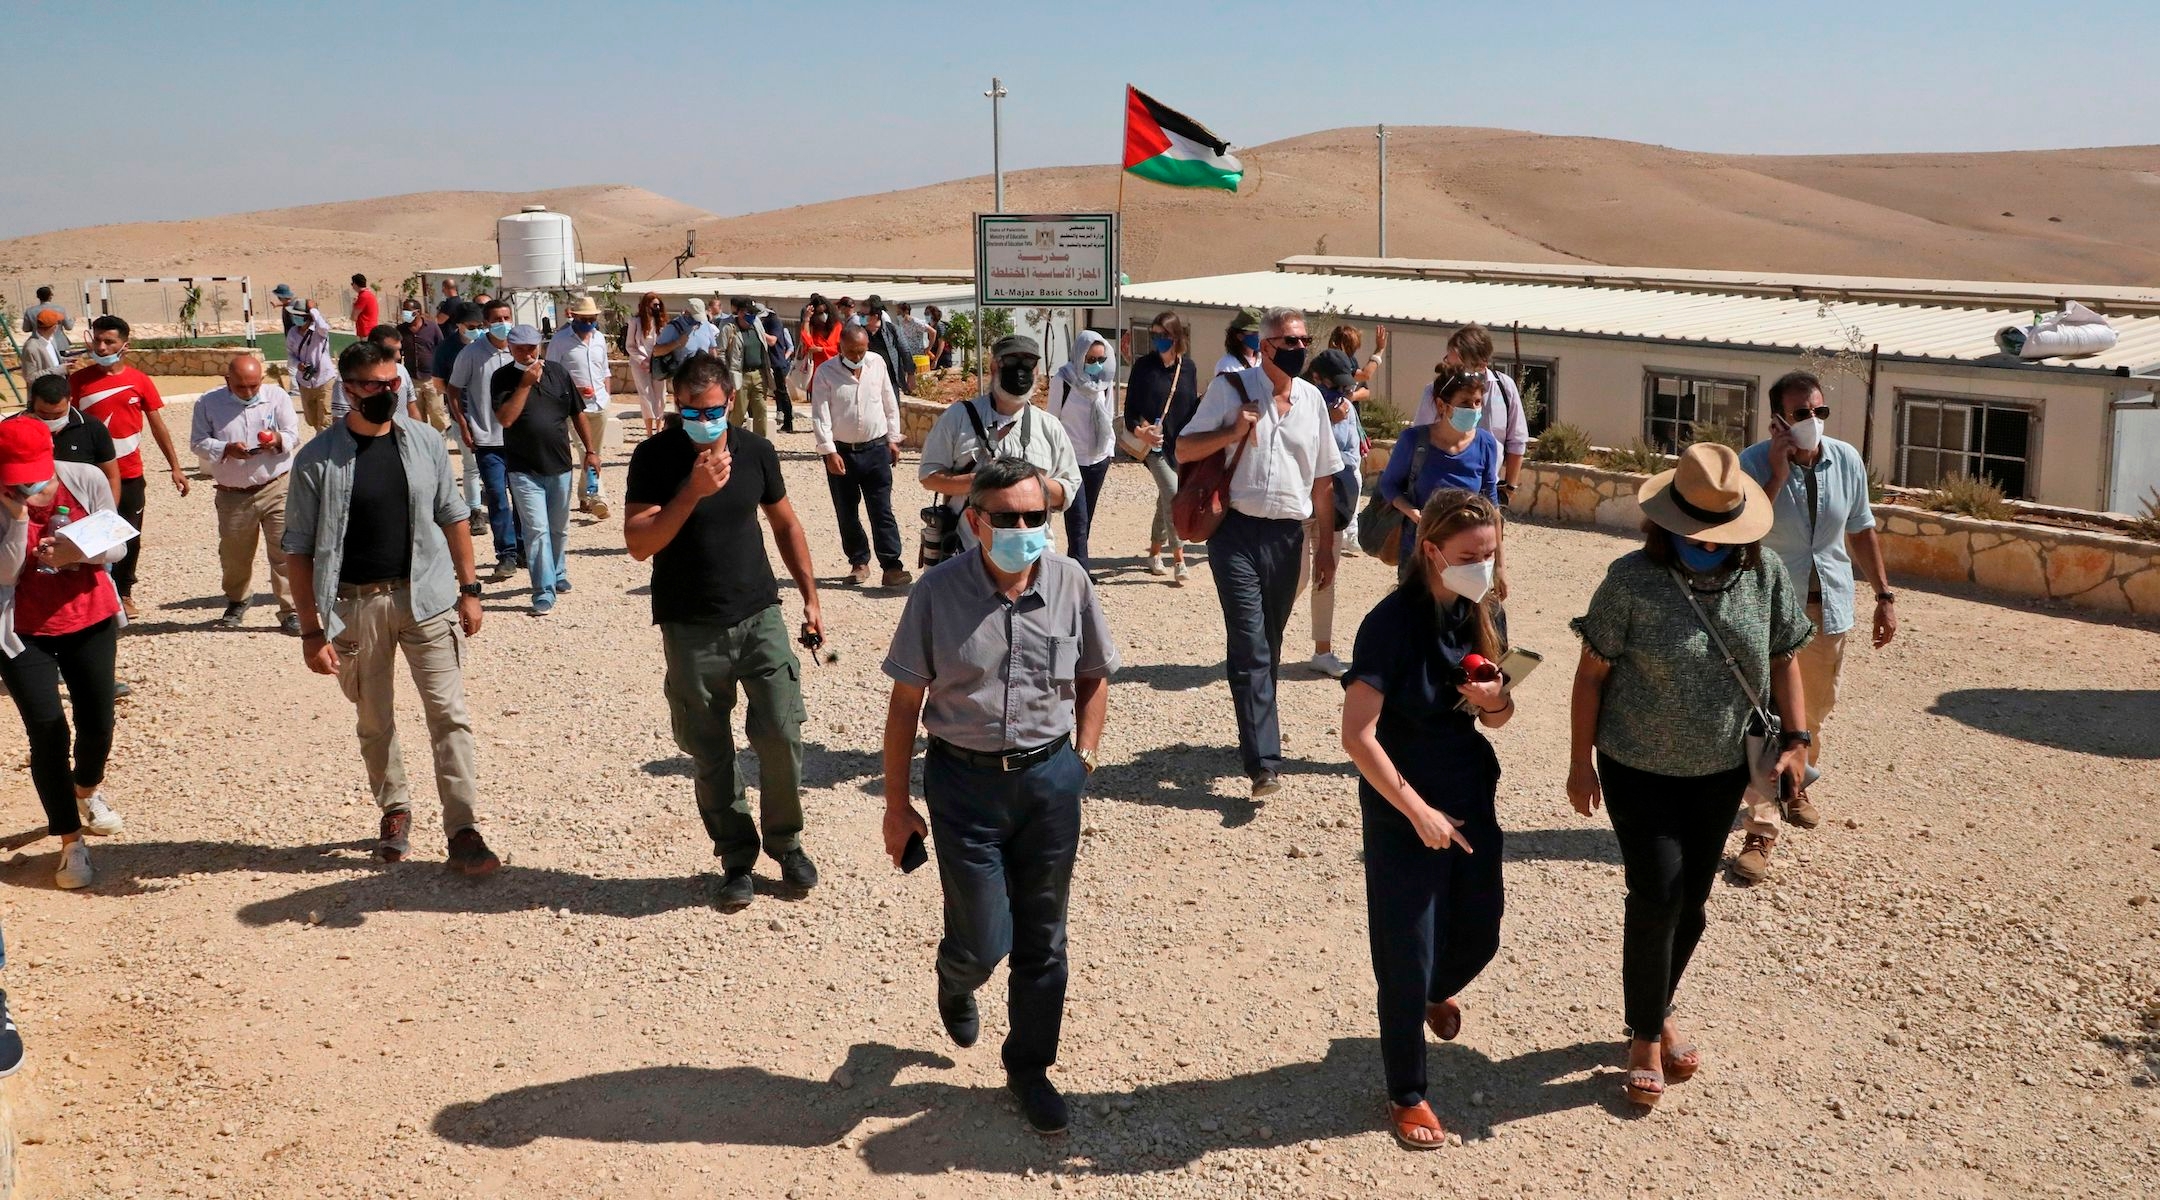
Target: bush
(1382, 423)
(2147, 524)
(1561, 443)
(1641, 458)
(1968, 497)
(1877, 486)
(1718, 433)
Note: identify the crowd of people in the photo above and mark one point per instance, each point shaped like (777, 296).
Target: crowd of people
(1708, 666)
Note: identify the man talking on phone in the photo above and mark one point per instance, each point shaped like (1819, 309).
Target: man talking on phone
(1003, 654)
(1823, 525)
(693, 498)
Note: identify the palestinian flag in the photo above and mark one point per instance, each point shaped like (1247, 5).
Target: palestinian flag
(1167, 146)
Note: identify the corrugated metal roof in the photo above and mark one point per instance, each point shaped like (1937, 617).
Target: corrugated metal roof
(947, 275)
(1903, 330)
(946, 295)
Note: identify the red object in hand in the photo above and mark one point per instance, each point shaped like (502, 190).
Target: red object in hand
(266, 437)
(1479, 668)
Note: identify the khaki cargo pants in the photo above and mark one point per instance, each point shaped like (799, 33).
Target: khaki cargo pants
(379, 624)
(244, 518)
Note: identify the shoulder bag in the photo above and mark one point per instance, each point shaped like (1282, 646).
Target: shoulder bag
(1203, 490)
(1379, 527)
(1764, 729)
(1129, 440)
(940, 521)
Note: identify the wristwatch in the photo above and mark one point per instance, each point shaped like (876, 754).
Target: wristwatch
(1796, 737)
(470, 589)
(1087, 760)
(1886, 597)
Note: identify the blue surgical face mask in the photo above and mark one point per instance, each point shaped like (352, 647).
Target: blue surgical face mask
(1015, 550)
(1164, 345)
(106, 360)
(704, 433)
(1697, 559)
(1094, 369)
(581, 328)
(470, 334)
(499, 330)
(1465, 419)
(1252, 342)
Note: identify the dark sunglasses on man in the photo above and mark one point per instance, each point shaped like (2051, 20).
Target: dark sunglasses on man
(1820, 410)
(1033, 518)
(1291, 342)
(369, 387)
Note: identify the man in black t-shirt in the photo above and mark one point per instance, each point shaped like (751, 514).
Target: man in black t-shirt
(694, 494)
(76, 438)
(536, 403)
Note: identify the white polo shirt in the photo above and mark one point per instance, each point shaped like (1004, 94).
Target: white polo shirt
(1287, 451)
(586, 359)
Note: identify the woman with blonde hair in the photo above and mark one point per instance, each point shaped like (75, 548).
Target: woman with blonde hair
(639, 338)
(1159, 398)
(1412, 704)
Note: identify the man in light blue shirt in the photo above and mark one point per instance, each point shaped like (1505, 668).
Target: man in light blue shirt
(1818, 488)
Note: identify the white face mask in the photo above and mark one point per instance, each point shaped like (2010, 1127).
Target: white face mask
(56, 424)
(1469, 580)
(1807, 435)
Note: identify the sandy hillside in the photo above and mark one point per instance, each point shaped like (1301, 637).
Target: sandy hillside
(1454, 192)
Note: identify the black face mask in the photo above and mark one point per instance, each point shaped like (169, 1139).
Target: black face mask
(1290, 360)
(376, 410)
(1016, 379)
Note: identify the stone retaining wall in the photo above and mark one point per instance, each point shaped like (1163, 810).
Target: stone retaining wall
(2101, 572)
(196, 360)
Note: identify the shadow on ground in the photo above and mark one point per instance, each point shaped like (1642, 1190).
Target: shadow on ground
(2086, 721)
(1594, 843)
(1185, 776)
(975, 1129)
(126, 868)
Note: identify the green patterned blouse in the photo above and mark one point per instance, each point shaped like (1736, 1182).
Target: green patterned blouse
(1670, 705)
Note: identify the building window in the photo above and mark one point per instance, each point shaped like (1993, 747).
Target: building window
(1680, 410)
(1534, 379)
(1940, 437)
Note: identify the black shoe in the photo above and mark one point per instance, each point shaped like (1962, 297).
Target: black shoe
(235, 615)
(11, 1047)
(469, 854)
(1265, 784)
(289, 624)
(1044, 1109)
(735, 891)
(796, 869)
(963, 1021)
(121, 690)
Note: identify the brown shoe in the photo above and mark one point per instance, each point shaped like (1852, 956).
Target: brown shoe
(1800, 812)
(127, 605)
(394, 845)
(898, 577)
(859, 574)
(470, 856)
(1753, 864)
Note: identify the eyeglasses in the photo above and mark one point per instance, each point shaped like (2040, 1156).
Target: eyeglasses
(1293, 342)
(1820, 410)
(716, 413)
(1033, 518)
(369, 387)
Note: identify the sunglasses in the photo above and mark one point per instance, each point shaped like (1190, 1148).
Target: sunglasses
(369, 387)
(1820, 410)
(716, 413)
(1034, 518)
(1292, 342)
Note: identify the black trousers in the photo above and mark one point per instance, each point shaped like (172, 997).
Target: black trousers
(1255, 565)
(84, 660)
(130, 504)
(866, 483)
(1005, 842)
(1433, 917)
(1672, 832)
(1080, 510)
(783, 404)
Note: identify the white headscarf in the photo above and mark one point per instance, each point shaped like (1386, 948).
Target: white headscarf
(1075, 368)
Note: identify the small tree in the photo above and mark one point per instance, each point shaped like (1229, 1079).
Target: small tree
(190, 305)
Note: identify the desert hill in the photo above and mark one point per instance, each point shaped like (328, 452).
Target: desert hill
(2061, 215)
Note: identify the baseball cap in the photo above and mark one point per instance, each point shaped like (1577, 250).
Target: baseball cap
(1016, 343)
(47, 318)
(26, 452)
(1335, 369)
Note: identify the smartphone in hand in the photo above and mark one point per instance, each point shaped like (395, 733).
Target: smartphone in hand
(913, 854)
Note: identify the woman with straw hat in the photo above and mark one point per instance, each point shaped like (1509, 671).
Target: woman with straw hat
(1665, 710)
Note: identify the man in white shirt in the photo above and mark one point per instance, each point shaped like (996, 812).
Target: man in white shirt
(855, 415)
(582, 350)
(246, 433)
(1010, 428)
(307, 351)
(1276, 426)
(1471, 349)
(468, 390)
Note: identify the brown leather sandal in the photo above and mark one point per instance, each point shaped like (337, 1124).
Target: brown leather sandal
(1419, 1116)
(1644, 1088)
(1444, 1019)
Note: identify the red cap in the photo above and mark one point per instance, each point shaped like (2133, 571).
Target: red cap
(26, 454)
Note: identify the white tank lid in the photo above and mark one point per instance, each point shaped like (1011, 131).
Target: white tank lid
(533, 208)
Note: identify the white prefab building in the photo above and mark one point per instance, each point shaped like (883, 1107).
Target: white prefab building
(1629, 354)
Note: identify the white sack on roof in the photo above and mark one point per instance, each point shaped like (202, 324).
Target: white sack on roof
(2075, 332)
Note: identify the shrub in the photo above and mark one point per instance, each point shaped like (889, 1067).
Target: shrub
(2147, 524)
(1640, 458)
(1716, 432)
(1382, 422)
(1561, 443)
(1968, 496)
(1877, 486)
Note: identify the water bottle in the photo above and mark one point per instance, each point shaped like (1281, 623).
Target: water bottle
(59, 521)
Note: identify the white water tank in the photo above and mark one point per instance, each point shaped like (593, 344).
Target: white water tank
(537, 249)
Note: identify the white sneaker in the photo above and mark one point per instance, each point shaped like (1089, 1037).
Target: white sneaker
(98, 816)
(74, 871)
(1329, 665)
(1155, 566)
(1179, 575)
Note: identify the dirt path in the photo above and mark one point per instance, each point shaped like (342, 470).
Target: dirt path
(1943, 991)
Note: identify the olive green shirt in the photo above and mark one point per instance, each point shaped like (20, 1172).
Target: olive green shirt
(1671, 706)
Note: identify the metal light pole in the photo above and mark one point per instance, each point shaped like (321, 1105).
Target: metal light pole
(1381, 133)
(997, 161)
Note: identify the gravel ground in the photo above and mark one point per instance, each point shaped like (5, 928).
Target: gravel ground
(1949, 989)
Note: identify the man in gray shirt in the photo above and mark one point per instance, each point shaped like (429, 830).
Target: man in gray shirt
(380, 557)
(467, 389)
(1003, 654)
(1010, 427)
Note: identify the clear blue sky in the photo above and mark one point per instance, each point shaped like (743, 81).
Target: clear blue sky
(164, 110)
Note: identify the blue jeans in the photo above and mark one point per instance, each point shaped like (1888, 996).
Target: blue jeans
(1080, 509)
(494, 485)
(1255, 565)
(543, 513)
(1005, 842)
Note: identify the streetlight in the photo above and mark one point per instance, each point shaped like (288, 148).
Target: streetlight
(997, 163)
(1380, 132)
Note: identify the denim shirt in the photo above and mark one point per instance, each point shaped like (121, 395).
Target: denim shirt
(1841, 489)
(320, 502)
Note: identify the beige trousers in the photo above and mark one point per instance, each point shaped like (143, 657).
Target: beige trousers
(315, 406)
(431, 404)
(379, 625)
(243, 518)
(750, 398)
(1820, 661)
(1323, 599)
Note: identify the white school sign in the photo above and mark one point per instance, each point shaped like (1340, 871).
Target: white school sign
(1046, 259)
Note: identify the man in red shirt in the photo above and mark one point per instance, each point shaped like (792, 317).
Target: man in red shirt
(366, 310)
(126, 401)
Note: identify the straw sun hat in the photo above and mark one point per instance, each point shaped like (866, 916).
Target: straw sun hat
(1708, 498)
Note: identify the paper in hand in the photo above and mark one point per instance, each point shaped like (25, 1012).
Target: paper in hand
(97, 533)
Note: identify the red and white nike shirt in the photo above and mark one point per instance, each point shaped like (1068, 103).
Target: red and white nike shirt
(120, 399)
